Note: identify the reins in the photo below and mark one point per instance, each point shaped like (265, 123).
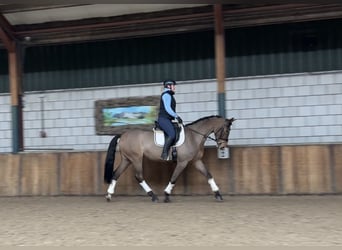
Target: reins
(207, 136)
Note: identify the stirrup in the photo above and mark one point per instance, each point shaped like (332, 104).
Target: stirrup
(164, 157)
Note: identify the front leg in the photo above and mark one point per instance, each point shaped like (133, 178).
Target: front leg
(178, 170)
(202, 168)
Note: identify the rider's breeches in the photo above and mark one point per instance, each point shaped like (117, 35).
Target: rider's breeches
(167, 126)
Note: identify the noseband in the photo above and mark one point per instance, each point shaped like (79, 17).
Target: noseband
(221, 130)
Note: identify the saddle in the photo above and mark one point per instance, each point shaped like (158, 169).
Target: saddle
(159, 136)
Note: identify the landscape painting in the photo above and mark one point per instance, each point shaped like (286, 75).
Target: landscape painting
(130, 115)
(114, 116)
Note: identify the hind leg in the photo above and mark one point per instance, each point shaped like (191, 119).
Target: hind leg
(140, 178)
(202, 168)
(116, 174)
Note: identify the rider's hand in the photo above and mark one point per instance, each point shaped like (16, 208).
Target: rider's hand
(179, 120)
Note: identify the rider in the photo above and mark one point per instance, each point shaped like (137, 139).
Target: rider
(167, 112)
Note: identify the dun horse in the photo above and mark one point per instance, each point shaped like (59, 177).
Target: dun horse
(135, 144)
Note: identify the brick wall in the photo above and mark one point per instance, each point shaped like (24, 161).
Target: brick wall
(271, 110)
(5, 124)
(289, 109)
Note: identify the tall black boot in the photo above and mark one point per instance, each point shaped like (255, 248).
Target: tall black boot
(167, 145)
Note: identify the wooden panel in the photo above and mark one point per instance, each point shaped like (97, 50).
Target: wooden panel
(196, 183)
(311, 169)
(289, 171)
(306, 169)
(319, 169)
(337, 166)
(269, 172)
(39, 174)
(9, 177)
(79, 173)
(256, 170)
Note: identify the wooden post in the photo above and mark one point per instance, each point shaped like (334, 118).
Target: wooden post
(14, 63)
(16, 100)
(220, 56)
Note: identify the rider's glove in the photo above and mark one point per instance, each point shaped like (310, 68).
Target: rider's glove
(179, 120)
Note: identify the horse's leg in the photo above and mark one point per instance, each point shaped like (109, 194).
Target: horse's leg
(140, 178)
(178, 170)
(203, 169)
(116, 174)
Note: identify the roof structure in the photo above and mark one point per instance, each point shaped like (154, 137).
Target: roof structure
(49, 23)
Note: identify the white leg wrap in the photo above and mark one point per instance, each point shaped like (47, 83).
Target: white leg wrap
(145, 186)
(111, 187)
(169, 188)
(213, 185)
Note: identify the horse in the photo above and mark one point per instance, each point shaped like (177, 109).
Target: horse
(135, 144)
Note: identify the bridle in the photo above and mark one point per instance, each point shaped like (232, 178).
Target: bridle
(221, 130)
(219, 138)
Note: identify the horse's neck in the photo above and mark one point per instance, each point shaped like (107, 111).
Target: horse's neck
(204, 127)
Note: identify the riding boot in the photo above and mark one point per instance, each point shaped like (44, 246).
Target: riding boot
(167, 145)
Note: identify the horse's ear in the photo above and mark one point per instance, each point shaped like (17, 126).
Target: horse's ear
(232, 119)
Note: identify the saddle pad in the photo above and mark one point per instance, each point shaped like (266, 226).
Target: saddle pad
(159, 138)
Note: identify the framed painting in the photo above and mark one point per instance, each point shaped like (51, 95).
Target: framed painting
(115, 116)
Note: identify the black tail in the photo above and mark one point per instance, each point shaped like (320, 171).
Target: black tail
(110, 158)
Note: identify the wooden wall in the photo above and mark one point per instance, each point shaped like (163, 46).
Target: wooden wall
(276, 170)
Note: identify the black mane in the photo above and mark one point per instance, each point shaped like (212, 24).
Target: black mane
(203, 118)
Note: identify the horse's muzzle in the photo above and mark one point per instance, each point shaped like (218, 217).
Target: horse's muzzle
(222, 144)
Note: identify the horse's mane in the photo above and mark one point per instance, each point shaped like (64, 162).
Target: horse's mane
(203, 118)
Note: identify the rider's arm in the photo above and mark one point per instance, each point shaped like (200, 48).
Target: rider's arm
(167, 105)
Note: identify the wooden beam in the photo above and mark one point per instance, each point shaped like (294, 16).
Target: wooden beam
(198, 18)
(6, 33)
(14, 76)
(220, 56)
(15, 70)
(8, 43)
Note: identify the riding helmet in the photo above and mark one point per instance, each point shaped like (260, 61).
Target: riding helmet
(169, 82)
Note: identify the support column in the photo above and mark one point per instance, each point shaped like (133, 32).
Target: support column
(15, 70)
(220, 56)
(16, 99)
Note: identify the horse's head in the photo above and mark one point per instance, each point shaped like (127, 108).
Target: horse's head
(222, 133)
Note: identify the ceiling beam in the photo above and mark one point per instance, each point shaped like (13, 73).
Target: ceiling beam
(287, 13)
(6, 34)
(7, 42)
(94, 25)
(17, 8)
(167, 22)
(6, 25)
(145, 24)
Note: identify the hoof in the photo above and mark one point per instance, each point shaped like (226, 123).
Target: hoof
(167, 198)
(218, 196)
(108, 197)
(154, 198)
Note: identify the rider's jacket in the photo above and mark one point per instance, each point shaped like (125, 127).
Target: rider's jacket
(162, 110)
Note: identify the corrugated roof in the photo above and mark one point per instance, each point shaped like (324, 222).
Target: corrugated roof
(53, 13)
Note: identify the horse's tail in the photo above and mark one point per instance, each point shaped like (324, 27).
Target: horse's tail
(110, 158)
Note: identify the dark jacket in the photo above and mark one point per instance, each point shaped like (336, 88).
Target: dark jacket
(162, 110)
